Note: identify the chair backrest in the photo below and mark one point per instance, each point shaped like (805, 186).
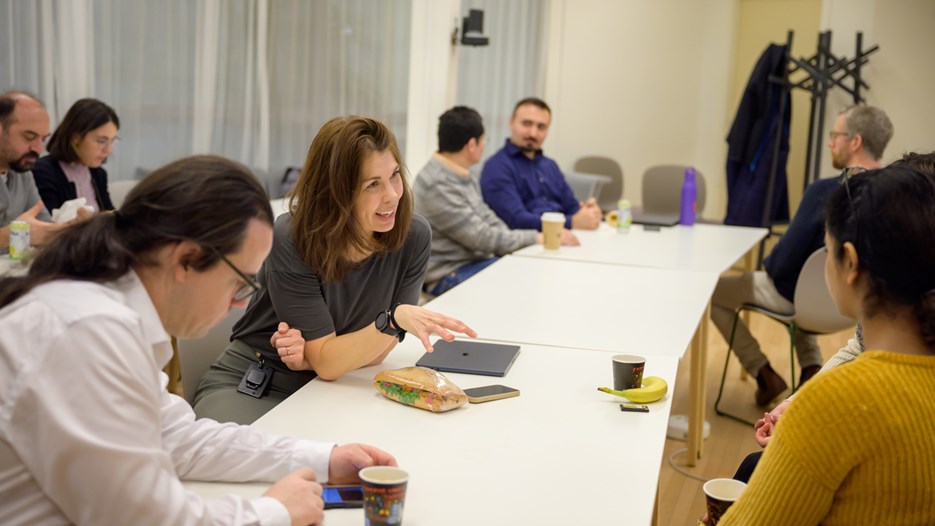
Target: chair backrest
(585, 186)
(611, 192)
(118, 191)
(662, 189)
(815, 310)
(195, 356)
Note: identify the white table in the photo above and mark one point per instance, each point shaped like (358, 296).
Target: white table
(703, 247)
(560, 453)
(582, 305)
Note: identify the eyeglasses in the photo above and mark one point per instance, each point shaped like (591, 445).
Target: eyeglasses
(250, 284)
(832, 135)
(104, 142)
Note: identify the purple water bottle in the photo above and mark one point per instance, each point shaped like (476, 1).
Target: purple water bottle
(689, 196)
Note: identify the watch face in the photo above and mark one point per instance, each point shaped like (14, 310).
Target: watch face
(383, 322)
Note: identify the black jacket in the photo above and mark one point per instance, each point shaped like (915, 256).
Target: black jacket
(55, 188)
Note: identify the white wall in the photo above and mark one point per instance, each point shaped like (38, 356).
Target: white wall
(643, 82)
(900, 73)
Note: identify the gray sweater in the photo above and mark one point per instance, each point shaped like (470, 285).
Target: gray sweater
(464, 228)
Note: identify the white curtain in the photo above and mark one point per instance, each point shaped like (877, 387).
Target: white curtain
(252, 80)
(492, 79)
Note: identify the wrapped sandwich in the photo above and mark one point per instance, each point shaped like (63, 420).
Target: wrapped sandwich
(420, 387)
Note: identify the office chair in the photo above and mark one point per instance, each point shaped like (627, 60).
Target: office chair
(662, 190)
(611, 192)
(814, 313)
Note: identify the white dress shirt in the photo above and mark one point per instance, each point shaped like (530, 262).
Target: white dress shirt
(89, 434)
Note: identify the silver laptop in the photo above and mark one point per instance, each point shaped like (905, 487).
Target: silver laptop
(488, 359)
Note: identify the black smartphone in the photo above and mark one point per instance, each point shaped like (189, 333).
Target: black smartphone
(477, 395)
(342, 497)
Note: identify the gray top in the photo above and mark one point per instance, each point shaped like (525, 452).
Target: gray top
(18, 195)
(464, 228)
(292, 291)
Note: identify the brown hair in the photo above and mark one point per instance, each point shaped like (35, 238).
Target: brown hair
(83, 117)
(205, 199)
(324, 227)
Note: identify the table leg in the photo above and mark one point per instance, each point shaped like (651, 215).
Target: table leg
(697, 388)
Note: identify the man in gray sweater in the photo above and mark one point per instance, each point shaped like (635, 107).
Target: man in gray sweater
(467, 235)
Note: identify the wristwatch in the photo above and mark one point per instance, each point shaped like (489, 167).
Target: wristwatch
(386, 323)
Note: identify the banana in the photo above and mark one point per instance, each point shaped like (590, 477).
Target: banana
(653, 388)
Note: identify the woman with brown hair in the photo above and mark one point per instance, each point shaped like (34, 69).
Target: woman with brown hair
(345, 272)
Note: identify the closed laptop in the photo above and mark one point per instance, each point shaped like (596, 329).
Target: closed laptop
(488, 359)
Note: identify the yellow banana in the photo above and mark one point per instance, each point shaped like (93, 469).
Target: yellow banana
(653, 388)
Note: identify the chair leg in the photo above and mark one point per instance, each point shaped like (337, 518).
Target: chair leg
(792, 329)
(720, 392)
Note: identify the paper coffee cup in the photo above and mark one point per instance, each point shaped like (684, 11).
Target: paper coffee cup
(384, 495)
(719, 495)
(628, 371)
(552, 225)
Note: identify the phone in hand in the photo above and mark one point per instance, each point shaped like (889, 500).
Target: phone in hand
(342, 497)
(477, 395)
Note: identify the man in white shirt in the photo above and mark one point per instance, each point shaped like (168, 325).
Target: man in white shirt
(88, 432)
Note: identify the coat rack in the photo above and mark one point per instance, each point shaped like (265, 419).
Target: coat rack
(817, 74)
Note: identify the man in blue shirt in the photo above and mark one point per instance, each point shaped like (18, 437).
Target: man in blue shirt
(857, 140)
(520, 183)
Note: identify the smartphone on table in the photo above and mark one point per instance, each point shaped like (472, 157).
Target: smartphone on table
(477, 395)
(336, 497)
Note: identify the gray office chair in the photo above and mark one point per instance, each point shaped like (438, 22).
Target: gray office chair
(196, 356)
(585, 186)
(662, 190)
(815, 313)
(611, 192)
(118, 191)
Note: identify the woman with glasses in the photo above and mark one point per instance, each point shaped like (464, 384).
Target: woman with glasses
(77, 151)
(88, 432)
(856, 446)
(344, 275)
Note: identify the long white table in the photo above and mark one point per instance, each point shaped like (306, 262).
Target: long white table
(12, 268)
(702, 247)
(584, 306)
(560, 453)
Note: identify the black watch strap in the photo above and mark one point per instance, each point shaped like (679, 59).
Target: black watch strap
(386, 324)
(400, 332)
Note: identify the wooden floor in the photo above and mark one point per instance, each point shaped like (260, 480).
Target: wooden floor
(681, 501)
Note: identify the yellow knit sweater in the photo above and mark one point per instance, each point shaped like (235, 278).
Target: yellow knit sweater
(856, 447)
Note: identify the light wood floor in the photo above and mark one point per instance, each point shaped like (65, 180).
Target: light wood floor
(681, 500)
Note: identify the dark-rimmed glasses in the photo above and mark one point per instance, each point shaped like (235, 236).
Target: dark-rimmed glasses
(250, 284)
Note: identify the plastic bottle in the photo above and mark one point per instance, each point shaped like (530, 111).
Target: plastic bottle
(689, 196)
(624, 216)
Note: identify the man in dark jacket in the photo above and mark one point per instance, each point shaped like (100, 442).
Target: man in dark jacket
(857, 140)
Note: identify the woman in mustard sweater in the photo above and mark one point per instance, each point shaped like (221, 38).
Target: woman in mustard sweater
(858, 444)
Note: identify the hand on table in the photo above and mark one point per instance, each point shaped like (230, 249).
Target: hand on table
(568, 239)
(347, 461)
(423, 323)
(40, 232)
(301, 496)
(588, 216)
(290, 346)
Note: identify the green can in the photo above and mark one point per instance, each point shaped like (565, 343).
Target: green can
(19, 240)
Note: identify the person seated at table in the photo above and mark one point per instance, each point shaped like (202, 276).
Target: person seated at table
(519, 183)
(467, 235)
(88, 433)
(764, 427)
(857, 141)
(859, 438)
(77, 151)
(345, 272)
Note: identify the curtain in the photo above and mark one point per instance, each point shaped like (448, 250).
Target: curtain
(492, 79)
(251, 80)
